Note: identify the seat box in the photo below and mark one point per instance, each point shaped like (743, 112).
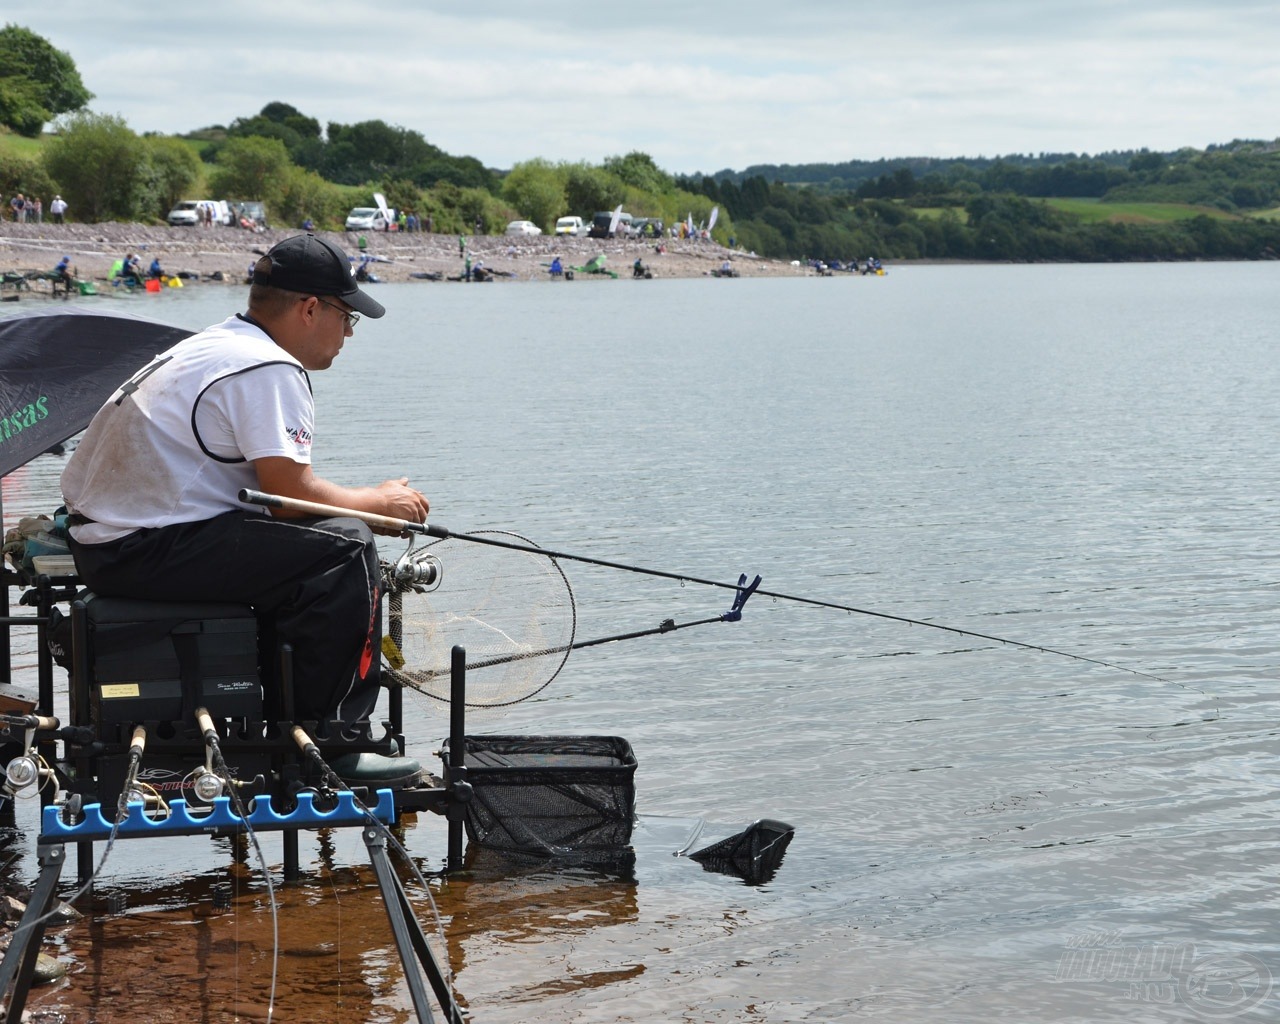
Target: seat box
(156, 661)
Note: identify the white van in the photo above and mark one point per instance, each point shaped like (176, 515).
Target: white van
(190, 212)
(570, 226)
(368, 218)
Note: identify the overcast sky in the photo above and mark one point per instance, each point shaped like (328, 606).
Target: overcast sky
(700, 85)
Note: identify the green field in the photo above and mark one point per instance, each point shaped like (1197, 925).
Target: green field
(19, 145)
(1091, 211)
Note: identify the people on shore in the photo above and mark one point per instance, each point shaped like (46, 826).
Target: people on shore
(64, 275)
(58, 209)
(130, 271)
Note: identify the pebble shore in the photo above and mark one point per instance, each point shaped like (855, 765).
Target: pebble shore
(228, 251)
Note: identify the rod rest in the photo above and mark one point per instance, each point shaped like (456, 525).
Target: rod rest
(220, 817)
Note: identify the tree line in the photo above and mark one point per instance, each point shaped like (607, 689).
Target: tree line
(894, 217)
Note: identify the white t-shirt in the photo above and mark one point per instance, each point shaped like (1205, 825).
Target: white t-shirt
(176, 443)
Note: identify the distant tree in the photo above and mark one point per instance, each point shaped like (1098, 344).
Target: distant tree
(731, 197)
(21, 106)
(463, 171)
(589, 190)
(373, 150)
(402, 194)
(25, 175)
(299, 133)
(100, 164)
(1145, 161)
(283, 113)
(251, 168)
(755, 197)
(638, 169)
(304, 194)
(536, 189)
(174, 169)
(37, 81)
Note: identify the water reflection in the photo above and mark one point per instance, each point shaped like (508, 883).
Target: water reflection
(501, 904)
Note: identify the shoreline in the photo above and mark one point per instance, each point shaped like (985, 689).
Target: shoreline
(205, 252)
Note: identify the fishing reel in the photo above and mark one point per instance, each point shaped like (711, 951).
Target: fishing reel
(206, 785)
(421, 572)
(28, 772)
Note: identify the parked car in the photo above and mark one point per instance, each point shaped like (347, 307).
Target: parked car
(190, 212)
(367, 218)
(601, 222)
(523, 227)
(570, 226)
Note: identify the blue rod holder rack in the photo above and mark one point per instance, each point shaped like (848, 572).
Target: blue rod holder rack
(182, 821)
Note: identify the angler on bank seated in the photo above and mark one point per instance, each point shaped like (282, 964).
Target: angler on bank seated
(152, 488)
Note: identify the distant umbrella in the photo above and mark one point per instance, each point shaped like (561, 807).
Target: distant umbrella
(57, 367)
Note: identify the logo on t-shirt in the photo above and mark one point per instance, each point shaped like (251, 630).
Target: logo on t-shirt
(300, 436)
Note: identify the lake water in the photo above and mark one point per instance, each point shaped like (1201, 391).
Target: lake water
(1075, 457)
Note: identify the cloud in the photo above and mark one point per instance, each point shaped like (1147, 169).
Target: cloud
(703, 86)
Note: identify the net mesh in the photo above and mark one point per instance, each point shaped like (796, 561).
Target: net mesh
(550, 795)
(513, 612)
(753, 854)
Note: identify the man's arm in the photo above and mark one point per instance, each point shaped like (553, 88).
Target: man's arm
(289, 479)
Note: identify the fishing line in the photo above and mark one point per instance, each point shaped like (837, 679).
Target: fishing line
(402, 526)
(210, 736)
(815, 602)
(129, 787)
(332, 780)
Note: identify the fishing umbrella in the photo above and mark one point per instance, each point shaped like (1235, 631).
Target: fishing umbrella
(58, 366)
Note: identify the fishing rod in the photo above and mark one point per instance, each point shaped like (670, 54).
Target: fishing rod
(130, 791)
(208, 784)
(401, 527)
(734, 614)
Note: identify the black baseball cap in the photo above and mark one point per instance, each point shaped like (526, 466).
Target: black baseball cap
(305, 263)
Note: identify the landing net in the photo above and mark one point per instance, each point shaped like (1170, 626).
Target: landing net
(512, 611)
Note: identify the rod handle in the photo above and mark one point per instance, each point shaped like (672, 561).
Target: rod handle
(314, 508)
(205, 722)
(46, 722)
(139, 742)
(305, 743)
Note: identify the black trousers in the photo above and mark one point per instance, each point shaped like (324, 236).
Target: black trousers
(313, 583)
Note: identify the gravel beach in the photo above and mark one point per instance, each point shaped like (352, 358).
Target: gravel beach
(208, 252)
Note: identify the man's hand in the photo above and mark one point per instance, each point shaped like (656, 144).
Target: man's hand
(402, 501)
(289, 479)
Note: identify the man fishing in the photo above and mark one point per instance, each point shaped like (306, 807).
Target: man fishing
(152, 489)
